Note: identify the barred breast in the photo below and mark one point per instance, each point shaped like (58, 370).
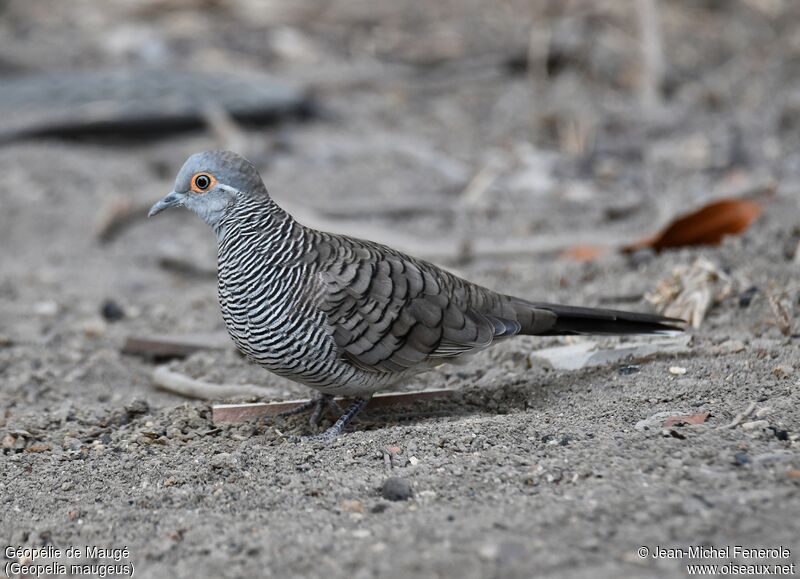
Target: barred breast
(264, 286)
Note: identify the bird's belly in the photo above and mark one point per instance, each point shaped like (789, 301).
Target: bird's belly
(292, 341)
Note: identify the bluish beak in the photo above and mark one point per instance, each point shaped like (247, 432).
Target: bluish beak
(173, 199)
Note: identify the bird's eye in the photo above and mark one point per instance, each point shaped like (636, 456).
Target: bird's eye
(202, 181)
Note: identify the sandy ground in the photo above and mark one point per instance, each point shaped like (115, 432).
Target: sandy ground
(526, 471)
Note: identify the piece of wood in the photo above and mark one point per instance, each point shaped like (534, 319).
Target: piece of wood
(173, 346)
(166, 379)
(240, 413)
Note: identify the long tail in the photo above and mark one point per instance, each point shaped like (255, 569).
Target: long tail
(556, 320)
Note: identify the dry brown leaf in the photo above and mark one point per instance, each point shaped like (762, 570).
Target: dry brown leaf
(683, 420)
(706, 226)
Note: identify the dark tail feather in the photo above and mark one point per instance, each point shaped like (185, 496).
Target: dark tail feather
(555, 320)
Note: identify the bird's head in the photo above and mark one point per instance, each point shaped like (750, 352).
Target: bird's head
(211, 183)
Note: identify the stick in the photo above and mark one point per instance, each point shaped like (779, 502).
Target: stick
(165, 379)
(740, 417)
(240, 413)
(165, 347)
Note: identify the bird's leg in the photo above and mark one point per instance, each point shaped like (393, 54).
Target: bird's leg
(318, 404)
(340, 424)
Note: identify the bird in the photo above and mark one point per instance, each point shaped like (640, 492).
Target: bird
(346, 316)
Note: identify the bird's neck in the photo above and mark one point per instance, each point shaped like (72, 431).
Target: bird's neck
(260, 220)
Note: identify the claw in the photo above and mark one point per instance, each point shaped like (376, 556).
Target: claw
(336, 429)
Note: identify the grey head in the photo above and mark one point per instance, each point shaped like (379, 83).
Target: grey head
(211, 183)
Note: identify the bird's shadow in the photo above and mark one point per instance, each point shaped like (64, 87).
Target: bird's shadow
(463, 402)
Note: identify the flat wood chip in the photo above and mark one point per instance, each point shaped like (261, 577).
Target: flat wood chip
(166, 347)
(241, 413)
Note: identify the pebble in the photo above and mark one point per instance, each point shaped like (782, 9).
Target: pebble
(677, 370)
(112, 311)
(48, 308)
(729, 347)
(352, 506)
(137, 406)
(741, 458)
(397, 489)
(94, 328)
(71, 443)
(762, 412)
(223, 460)
(755, 425)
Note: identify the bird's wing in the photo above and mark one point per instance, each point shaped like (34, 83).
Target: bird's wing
(389, 312)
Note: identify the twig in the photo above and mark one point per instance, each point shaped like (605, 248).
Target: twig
(165, 379)
(166, 347)
(185, 267)
(740, 417)
(239, 413)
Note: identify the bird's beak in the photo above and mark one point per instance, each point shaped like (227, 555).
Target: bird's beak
(173, 199)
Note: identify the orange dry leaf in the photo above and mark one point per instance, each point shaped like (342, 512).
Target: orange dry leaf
(706, 226)
(683, 420)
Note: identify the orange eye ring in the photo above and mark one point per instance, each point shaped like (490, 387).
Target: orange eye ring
(202, 182)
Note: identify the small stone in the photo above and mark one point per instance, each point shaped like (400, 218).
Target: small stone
(397, 489)
(48, 308)
(413, 460)
(677, 370)
(38, 447)
(9, 441)
(71, 443)
(746, 297)
(783, 371)
(223, 460)
(489, 551)
(112, 311)
(361, 533)
(762, 412)
(629, 369)
(730, 347)
(755, 425)
(137, 407)
(352, 506)
(66, 486)
(94, 328)
(741, 458)
(780, 434)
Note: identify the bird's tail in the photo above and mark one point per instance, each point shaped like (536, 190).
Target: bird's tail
(556, 320)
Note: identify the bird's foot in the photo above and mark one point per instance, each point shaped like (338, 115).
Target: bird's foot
(337, 428)
(318, 405)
